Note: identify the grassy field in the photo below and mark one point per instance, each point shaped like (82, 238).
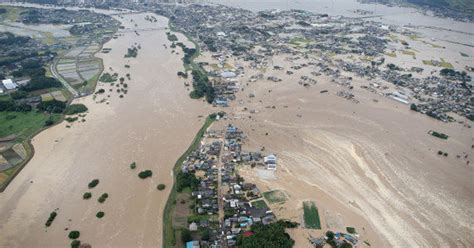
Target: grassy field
(275, 196)
(21, 124)
(12, 13)
(311, 216)
(446, 64)
(299, 41)
(259, 204)
(169, 236)
(391, 54)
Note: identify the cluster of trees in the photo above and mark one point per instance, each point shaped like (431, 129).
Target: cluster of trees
(10, 39)
(74, 234)
(103, 197)
(51, 218)
(39, 83)
(93, 183)
(108, 78)
(202, 86)
(185, 180)
(75, 109)
(462, 76)
(161, 186)
(100, 214)
(188, 53)
(131, 52)
(52, 106)
(34, 69)
(144, 174)
(272, 235)
(87, 195)
(79, 29)
(171, 37)
(439, 135)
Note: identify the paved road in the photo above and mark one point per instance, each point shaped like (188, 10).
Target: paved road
(62, 80)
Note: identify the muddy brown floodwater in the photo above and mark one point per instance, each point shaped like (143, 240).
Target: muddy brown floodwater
(153, 125)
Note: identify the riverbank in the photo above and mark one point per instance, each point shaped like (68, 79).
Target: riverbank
(169, 235)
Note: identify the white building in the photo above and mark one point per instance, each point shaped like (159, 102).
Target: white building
(271, 162)
(228, 74)
(9, 84)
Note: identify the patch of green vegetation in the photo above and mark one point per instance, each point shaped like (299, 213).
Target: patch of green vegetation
(171, 37)
(409, 52)
(53, 106)
(10, 13)
(442, 153)
(275, 196)
(21, 124)
(202, 86)
(76, 108)
(438, 135)
(144, 174)
(169, 239)
(51, 218)
(100, 214)
(413, 36)
(393, 37)
(161, 187)
(299, 41)
(103, 197)
(391, 54)
(186, 180)
(131, 52)
(446, 64)
(311, 216)
(428, 62)
(108, 78)
(272, 235)
(87, 195)
(259, 204)
(71, 119)
(75, 244)
(74, 234)
(351, 230)
(133, 165)
(93, 183)
(48, 38)
(52, 119)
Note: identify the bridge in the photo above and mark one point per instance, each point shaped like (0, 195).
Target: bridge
(139, 30)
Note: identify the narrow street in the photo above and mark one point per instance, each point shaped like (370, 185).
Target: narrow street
(220, 194)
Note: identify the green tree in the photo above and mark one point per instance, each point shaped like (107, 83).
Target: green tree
(272, 235)
(186, 235)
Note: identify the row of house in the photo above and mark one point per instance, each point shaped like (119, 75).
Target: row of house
(239, 211)
(223, 203)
